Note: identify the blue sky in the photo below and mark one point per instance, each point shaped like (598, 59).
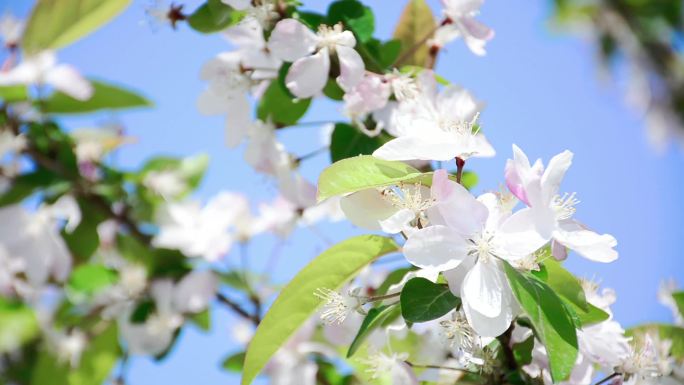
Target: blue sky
(543, 92)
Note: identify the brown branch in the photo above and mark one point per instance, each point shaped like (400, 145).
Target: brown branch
(238, 309)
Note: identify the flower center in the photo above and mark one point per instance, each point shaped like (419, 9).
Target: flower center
(564, 206)
(458, 333)
(330, 37)
(482, 247)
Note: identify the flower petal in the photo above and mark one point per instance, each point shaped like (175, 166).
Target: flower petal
(65, 78)
(590, 245)
(490, 326)
(483, 288)
(351, 67)
(307, 76)
(456, 207)
(433, 147)
(291, 40)
(554, 173)
(366, 208)
(437, 247)
(238, 120)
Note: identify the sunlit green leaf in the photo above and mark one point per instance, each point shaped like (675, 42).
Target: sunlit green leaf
(214, 16)
(56, 23)
(105, 97)
(415, 25)
(375, 318)
(296, 303)
(18, 325)
(423, 300)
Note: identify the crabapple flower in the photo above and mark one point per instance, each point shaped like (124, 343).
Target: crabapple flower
(337, 306)
(68, 346)
(264, 152)
(371, 94)
(553, 213)
(460, 16)
(263, 12)
(470, 240)
(391, 367)
(667, 288)
(309, 52)
(32, 241)
(436, 126)
(42, 69)
(198, 231)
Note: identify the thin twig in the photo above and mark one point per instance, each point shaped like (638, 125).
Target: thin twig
(608, 378)
(238, 309)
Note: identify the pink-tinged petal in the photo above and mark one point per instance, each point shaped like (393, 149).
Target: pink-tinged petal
(238, 120)
(590, 245)
(457, 208)
(65, 78)
(491, 326)
(514, 183)
(366, 209)
(554, 173)
(351, 67)
(559, 251)
(291, 40)
(442, 186)
(433, 147)
(483, 287)
(436, 247)
(307, 76)
(455, 277)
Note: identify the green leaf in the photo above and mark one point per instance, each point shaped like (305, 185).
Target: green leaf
(333, 90)
(355, 16)
(665, 332)
(522, 351)
(423, 300)
(376, 317)
(97, 362)
(348, 141)
(679, 301)
(393, 278)
(202, 320)
(25, 185)
(469, 179)
(362, 172)
(105, 97)
(88, 280)
(234, 362)
(214, 16)
(296, 303)
(84, 240)
(18, 325)
(564, 283)
(11, 94)
(415, 24)
(277, 105)
(56, 23)
(592, 315)
(552, 323)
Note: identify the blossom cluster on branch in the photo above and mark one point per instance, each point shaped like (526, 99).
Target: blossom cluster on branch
(99, 264)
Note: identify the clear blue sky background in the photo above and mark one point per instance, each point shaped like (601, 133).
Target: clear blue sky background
(543, 93)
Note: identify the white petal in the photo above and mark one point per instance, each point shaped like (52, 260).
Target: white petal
(66, 79)
(194, 292)
(238, 4)
(554, 173)
(590, 245)
(351, 67)
(436, 247)
(398, 221)
(366, 208)
(518, 235)
(491, 326)
(211, 103)
(307, 76)
(433, 147)
(291, 40)
(483, 287)
(455, 277)
(238, 120)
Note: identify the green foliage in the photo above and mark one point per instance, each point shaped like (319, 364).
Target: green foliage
(84, 240)
(423, 300)
(552, 323)
(296, 302)
(105, 97)
(234, 362)
(348, 141)
(11, 94)
(376, 317)
(362, 172)
(354, 16)
(56, 23)
(88, 280)
(202, 320)
(522, 351)
(18, 325)
(97, 362)
(278, 105)
(393, 278)
(679, 301)
(26, 184)
(414, 27)
(214, 16)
